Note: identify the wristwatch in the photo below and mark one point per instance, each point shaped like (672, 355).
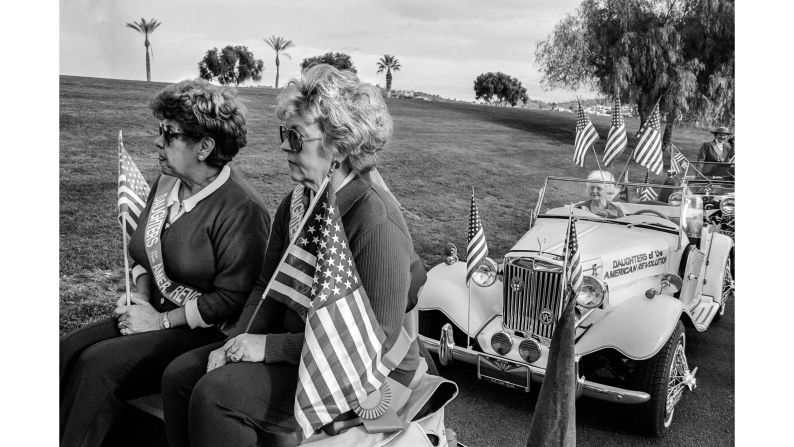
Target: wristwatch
(166, 321)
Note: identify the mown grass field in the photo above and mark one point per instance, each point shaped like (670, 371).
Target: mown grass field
(439, 151)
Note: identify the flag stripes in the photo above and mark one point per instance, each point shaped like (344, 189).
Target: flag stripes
(648, 193)
(476, 248)
(586, 136)
(574, 262)
(678, 162)
(132, 191)
(649, 150)
(616, 140)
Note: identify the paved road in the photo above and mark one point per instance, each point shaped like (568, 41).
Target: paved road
(485, 414)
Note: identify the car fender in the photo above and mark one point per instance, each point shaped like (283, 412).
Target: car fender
(637, 328)
(446, 290)
(715, 269)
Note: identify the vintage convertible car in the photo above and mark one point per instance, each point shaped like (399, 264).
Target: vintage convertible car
(714, 183)
(647, 275)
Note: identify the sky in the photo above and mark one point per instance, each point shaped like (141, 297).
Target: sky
(442, 45)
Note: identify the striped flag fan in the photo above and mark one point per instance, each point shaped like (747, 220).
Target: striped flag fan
(647, 193)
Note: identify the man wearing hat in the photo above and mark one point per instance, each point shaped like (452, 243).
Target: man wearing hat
(718, 149)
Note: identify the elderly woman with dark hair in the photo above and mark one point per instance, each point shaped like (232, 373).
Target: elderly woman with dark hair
(235, 392)
(197, 251)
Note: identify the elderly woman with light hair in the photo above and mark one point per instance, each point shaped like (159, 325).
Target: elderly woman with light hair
(239, 391)
(601, 189)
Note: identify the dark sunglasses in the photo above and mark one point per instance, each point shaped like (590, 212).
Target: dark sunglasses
(295, 139)
(167, 134)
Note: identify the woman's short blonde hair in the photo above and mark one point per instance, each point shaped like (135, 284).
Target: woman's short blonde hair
(203, 109)
(352, 115)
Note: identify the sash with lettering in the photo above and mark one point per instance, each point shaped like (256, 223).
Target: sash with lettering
(171, 290)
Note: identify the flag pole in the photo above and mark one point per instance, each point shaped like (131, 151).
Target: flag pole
(124, 234)
(468, 287)
(596, 157)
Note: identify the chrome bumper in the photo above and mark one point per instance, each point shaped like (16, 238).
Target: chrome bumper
(586, 388)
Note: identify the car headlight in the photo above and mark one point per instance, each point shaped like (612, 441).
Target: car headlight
(485, 273)
(529, 350)
(728, 205)
(593, 292)
(675, 198)
(501, 343)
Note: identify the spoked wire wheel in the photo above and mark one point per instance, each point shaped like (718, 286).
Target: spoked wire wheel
(680, 379)
(728, 286)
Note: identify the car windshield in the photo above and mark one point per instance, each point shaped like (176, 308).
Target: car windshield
(702, 171)
(650, 203)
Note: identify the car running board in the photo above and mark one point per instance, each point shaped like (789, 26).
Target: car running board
(703, 311)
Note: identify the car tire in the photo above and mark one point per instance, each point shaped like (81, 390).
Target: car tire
(727, 289)
(655, 377)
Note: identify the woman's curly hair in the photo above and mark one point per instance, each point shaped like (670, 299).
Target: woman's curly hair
(352, 115)
(205, 110)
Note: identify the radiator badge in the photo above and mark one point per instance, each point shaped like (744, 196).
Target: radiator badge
(545, 316)
(516, 284)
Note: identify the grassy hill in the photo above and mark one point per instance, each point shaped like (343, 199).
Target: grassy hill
(439, 151)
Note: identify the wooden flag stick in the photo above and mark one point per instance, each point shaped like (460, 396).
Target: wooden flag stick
(124, 235)
(596, 157)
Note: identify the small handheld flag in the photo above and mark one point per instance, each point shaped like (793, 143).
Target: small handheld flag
(678, 162)
(586, 136)
(132, 191)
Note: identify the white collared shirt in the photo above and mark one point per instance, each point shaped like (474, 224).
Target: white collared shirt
(176, 208)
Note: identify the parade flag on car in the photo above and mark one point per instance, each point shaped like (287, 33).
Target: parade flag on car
(341, 360)
(477, 248)
(649, 150)
(647, 193)
(678, 162)
(586, 136)
(133, 191)
(616, 141)
(554, 420)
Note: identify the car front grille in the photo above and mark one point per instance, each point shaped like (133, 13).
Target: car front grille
(532, 292)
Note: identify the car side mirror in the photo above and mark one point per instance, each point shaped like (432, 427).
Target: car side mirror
(669, 281)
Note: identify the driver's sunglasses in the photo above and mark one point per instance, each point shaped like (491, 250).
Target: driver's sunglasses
(295, 139)
(167, 134)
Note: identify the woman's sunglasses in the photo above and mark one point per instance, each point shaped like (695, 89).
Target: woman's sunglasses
(167, 134)
(295, 139)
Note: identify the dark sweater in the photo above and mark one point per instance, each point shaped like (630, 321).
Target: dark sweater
(381, 248)
(217, 248)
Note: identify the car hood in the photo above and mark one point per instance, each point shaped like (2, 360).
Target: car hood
(613, 252)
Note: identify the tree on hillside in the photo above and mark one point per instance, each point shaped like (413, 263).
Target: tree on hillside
(680, 53)
(341, 61)
(232, 65)
(506, 89)
(145, 28)
(388, 63)
(279, 44)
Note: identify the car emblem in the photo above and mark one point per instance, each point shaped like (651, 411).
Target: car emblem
(515, 284)
(545, 316)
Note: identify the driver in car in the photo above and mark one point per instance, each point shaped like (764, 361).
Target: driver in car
(601, 191)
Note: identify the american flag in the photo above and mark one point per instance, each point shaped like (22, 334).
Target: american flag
(646, 192)
(616, 141)
(477, 248)
(586, 135)
(649, 150)
(678, 162)
(133, 191)
(341, 361)
(574, 263)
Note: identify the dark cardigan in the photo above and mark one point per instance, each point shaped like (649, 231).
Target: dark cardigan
(382, 250)
(217, 248)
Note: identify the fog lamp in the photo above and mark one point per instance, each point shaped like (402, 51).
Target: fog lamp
(529, 350)
(728, 206)
(593, 292)
(501, 343)
(485, 273)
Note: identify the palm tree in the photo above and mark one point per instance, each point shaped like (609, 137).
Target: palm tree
(388, 63)
(279, 44)
(146, 28)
